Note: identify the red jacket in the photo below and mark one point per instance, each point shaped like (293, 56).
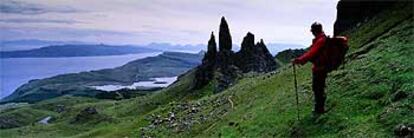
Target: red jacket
(314, 54)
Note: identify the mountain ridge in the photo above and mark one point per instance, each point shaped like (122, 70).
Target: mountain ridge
(76, 51)
(273, 47)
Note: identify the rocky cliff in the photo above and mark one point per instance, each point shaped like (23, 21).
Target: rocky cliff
(352, 13)
(254, 57)
(225, 66)
(205, 71)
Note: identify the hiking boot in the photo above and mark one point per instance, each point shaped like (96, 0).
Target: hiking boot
(319, 110)
(317, 113)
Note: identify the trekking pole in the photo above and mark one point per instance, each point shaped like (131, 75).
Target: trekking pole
(296, 90)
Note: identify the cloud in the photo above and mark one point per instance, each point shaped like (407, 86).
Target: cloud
(180, 21)
(24, 20)
(62, 34)
(26, 8)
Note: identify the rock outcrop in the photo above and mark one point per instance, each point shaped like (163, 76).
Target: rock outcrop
(224, 67)
(90, 115)
(205, 71)
(256, 58)
(210, 56)
(8, 122)
(225, 42)
(86, 114)
(351, 13)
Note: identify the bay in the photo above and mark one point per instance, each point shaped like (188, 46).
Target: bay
(17, 71)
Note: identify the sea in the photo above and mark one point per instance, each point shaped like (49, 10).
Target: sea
(15, 72)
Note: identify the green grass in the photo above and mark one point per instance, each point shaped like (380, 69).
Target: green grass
(123, 114)
(367, 98)
(360, 97)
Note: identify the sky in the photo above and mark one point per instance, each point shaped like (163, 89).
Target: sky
(168, 21)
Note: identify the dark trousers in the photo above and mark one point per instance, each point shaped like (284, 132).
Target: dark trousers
(318, 86)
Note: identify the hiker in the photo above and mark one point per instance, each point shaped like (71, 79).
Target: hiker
(319, 71)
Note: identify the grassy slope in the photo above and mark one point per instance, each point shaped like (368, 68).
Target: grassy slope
(361, 98)
(119, 117)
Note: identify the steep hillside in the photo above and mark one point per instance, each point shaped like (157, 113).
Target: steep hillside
(352, 13)
(370, 96)
(119, 118)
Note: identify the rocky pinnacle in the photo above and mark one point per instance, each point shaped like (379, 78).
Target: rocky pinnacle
(224, 36)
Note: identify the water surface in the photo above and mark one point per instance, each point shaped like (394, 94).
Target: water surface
(155, 83)
(17, 71)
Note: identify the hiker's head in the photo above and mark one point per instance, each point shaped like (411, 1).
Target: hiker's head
(316, 28)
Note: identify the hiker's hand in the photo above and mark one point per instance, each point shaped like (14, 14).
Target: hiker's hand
(296, 61)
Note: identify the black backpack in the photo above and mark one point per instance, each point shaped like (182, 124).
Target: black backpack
(334, 51)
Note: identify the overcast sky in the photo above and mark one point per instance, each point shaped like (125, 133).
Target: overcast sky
(172, 21)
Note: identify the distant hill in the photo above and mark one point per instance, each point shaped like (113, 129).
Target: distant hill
(176, 47)
(285, 56)
(36, 42)
(26, 44)
(275, 48)
(76, 51)
(32, 44)
(167, 64)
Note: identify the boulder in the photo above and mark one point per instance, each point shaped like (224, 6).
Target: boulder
(404, 130)
(86, 114)
(60, 108)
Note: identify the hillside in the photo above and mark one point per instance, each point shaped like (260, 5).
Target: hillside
(25, 44)
(167, 64)
(285, 56)
(369, 97)
(76, 51)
